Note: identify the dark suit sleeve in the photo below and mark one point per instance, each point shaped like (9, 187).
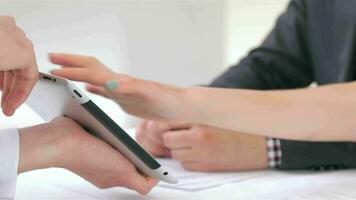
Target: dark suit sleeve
(318, 155)
(283, 62)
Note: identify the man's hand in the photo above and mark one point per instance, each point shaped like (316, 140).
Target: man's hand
(63, 143)
(204, 148)
(18, 67)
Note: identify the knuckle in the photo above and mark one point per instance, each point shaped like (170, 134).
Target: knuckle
(28, 42)
(129, 89)
(200, 135)
(19, 32)
(93, 60)
(152, 126)
(7, 19)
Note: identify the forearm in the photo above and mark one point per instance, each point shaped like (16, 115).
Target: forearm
(306, 114)
(38, 149)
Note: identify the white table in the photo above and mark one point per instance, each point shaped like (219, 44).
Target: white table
(60, 184)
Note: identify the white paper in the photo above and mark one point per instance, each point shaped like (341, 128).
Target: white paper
(195, 181)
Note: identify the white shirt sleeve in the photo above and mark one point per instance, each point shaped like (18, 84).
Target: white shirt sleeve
(9, 159)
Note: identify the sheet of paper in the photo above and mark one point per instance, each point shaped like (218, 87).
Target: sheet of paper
(195, 181)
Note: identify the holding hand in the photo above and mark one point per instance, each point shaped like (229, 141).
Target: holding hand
(63, 143)
(204, 148)
(18, 68)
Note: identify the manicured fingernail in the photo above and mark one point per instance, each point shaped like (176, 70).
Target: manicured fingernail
(112, 85)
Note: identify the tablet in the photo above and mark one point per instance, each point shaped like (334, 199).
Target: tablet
(53, 97)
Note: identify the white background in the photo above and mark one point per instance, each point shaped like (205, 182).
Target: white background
(183, 42)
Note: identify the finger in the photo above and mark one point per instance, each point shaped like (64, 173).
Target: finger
(118, 85)
(155, 149)
(183, 155)
(142, 184)
(7, 108)
(72, 60)
(93, 77)
(24, 81)
(155, 126)
(177, 139)
(1, 80)
(98, 90)
(8, 19)
(142, 133)
(8, 77)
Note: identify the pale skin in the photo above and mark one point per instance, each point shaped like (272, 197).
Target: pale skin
(61, 143)
(64, 144)
(18, 67)
(325, 113)
(200, 147)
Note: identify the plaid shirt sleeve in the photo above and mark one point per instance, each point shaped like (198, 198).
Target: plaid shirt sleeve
(274, 153)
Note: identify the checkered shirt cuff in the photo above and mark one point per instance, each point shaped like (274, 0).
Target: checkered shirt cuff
(274, 153)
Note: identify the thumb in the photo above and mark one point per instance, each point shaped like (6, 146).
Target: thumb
(143, 184)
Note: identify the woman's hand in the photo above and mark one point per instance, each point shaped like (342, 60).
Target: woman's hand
(142, 98)
(63, 143)
(18, 68)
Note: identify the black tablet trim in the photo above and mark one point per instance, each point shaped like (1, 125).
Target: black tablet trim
(120, 134)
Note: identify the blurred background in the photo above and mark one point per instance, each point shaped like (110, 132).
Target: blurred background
(182, 42)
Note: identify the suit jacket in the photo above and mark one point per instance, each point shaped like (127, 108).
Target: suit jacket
(312, 41)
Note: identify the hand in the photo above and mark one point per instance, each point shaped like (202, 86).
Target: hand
(204, 148)
(142, 98)
(18, 68)
(63, 143)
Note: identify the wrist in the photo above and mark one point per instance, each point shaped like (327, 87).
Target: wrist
(39, 148)
(193, 104)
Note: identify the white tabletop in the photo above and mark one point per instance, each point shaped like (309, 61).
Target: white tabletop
(60, 184)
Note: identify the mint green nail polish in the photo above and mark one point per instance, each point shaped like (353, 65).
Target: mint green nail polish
(112, 85)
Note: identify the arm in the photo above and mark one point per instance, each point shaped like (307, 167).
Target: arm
(62, 143)
(282, 62)
(304, 114)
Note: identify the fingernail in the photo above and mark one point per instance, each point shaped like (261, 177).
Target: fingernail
(8, 112)
(112, 85)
